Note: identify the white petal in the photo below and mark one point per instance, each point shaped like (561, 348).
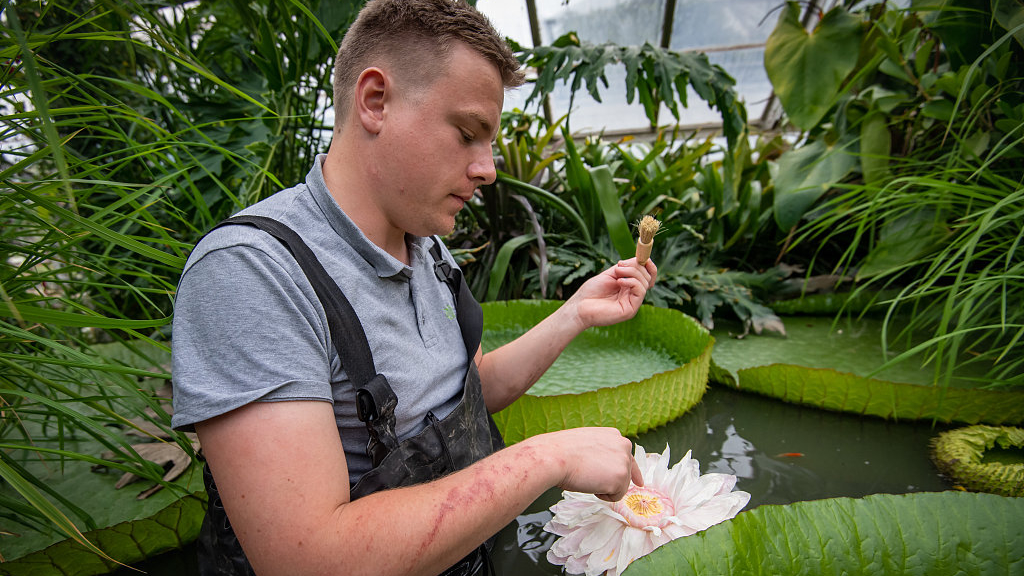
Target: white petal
(633, 544)
(603, 558)
(600, 533)
(718, 509)
(568, 545)
(576, 565)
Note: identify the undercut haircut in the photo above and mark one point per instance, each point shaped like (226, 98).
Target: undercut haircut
(413, 38)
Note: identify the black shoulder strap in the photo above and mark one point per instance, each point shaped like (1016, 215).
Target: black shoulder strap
(467, 309)
(374, 396)
(342, 320)
(375, 399)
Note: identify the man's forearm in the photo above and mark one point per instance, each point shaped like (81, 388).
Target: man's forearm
(415, 530)
(506, 373)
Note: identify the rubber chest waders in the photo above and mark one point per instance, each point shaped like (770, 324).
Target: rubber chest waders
(445, 445)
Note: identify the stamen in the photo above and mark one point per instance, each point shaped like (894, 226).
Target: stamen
(644, 504)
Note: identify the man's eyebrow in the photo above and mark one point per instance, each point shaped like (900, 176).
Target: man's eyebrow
(485, 124)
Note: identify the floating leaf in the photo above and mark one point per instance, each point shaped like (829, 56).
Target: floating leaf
(129, 542)
(961, 455)
(845, 373)
(844, 392)
(633, 406)
(885, 534)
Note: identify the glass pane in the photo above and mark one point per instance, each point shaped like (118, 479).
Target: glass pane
(716, 23)
(624, 22)
(509, 18)
(612, 113)
(747, 68)
(698, 24)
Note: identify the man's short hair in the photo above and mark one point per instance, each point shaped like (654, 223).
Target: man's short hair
(414, 38)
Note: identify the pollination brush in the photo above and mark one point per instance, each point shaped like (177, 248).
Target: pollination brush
(648, 228)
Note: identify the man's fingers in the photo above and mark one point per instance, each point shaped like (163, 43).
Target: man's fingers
(637, 476)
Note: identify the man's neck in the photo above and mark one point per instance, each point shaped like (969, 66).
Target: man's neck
(352, 189)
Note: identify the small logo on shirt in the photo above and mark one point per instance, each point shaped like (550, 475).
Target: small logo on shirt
(449, 311)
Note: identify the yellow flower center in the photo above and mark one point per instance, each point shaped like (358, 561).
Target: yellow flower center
(643, 507)
(644, 504)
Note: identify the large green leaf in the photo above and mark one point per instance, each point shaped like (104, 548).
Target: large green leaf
(1010, 15)
(608, 196)
(807, 69)
(905, 535)
(846, 392)
(848, 372)
(129, 542)
(632, 406)
(904, 241)
(805, 173)
(875, 147)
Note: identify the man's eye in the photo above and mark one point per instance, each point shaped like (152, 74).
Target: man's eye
(466, 136)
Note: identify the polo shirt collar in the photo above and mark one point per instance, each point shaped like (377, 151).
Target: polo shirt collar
(386, 265)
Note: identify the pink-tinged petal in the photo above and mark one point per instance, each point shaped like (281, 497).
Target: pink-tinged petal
(729, 482)
(575, 565)
(569, 545)
(673, 531)
(703, 489)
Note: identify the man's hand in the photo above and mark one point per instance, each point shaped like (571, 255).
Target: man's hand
(613, 295)
(594, 460)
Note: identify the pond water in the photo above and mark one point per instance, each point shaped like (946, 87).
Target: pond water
(780, 453)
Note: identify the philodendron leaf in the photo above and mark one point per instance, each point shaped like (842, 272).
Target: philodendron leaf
(631, 405)
(875, 147)
(904, 535)
(807, 172)
(807, 69)
(903, 241)
(128, 542)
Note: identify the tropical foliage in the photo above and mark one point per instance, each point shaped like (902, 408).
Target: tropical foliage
(130, 128)
(909, 164)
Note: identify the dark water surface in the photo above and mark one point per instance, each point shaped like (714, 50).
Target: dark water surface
(753, 437)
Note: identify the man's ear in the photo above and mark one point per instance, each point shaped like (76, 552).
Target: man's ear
(372, 91)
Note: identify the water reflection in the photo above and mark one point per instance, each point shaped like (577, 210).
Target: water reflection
(780, 453)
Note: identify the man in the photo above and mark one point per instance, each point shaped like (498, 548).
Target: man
(308, 486)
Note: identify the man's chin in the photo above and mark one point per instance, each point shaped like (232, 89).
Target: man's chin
(439, 229)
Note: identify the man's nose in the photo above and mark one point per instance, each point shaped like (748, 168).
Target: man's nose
(482, 169)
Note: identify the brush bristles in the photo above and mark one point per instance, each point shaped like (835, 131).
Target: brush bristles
(648, 228)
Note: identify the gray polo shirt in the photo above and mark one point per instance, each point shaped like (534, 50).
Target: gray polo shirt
(248, 326)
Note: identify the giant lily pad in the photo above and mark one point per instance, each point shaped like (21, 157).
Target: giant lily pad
(913, 534)
(632, 376)
(837, 367)
(130, 541)
(983, 458)
(127, 522)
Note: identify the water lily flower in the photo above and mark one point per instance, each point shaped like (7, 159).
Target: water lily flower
(599, 537)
